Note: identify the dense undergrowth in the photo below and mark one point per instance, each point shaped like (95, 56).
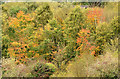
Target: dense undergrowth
(59, 40)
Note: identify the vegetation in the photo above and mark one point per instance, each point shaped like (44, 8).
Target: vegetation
(59, 40)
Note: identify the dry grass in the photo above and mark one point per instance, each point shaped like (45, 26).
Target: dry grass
(110, 11)
(13, 70)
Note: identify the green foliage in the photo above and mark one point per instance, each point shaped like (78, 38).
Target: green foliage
(14, 10)
(5, 44)
(32, 5)
(105, 32)
(45, 11)
(76, 17)
(51, 66)
(76, 3)
(74, 23)
(43, 70)
(114, 25)
(55, 33)
(112, 47)
(101, 36)
(46, 46)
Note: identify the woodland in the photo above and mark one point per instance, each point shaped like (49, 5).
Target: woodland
(59, 39)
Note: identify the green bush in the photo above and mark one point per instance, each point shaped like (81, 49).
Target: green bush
(51, 66)
(5, 45)
(74, 23)
(43, 70)
(45, 46)
(45, 11)
(114, 25)
(105, 32)
(76, 18)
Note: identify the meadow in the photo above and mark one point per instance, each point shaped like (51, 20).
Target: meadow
(59, 39)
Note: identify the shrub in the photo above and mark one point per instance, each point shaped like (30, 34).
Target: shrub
(43, 70)
(76, 18)
(105, 32)
(114, 25)
(45, 11)
(51, 66)
(83, 42)
(112, 47)
(101, 36)
(5, 45)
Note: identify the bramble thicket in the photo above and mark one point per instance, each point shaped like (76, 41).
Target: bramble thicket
(42, 39)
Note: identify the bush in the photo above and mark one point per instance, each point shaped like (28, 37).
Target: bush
(76, 18)
(43, 70)
(5, 45)
(105, 32)
(45, 11)
(114, 25)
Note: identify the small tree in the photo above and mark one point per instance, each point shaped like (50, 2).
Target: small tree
(44, 14)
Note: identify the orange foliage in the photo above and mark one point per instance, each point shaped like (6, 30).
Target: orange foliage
(95, 15)
(83, 42)
(19, 48)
